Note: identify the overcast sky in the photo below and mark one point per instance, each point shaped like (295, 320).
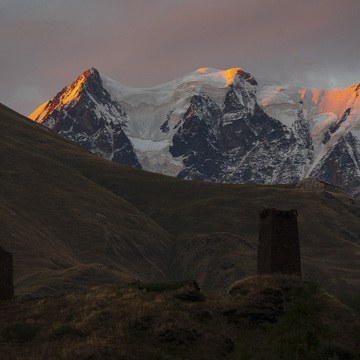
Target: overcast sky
(47, 44)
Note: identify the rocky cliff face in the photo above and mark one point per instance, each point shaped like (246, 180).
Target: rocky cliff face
(213, 125)
(84, 112)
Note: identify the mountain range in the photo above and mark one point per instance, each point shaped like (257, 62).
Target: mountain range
(72, 220)
(222, 126)
(105, 254)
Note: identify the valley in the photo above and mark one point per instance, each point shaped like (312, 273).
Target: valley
(72, 219)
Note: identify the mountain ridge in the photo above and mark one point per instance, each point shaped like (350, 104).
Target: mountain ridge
(215, 125)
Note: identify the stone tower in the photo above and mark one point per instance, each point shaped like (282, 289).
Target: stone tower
(279, 248)
(6, 275)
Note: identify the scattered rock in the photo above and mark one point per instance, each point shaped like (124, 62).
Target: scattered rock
(178, 336)
(191, 292)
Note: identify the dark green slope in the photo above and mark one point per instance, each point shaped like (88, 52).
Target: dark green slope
(73, 208)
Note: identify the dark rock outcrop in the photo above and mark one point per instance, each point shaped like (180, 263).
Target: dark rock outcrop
(279, 249)
(6, 275)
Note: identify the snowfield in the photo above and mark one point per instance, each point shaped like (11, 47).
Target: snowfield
(214, 125)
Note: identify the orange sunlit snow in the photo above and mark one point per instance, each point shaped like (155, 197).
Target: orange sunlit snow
(227, 75)
(316, 95)
(334, 101)
(302, 93)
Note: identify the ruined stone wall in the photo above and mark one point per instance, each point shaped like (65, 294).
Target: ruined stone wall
(6, 275)
(279, 248)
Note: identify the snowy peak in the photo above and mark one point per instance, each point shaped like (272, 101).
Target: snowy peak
(68, 95)
(85, 112)
(225, 77)
(221, 78)
(215, 125)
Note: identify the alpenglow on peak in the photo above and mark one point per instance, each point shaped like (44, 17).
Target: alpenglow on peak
(215, 125)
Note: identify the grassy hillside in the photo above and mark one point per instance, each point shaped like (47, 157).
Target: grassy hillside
(72, 219)
(267, 317)
(55, 220)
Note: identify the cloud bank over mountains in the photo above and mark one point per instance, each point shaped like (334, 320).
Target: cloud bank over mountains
(45, 44)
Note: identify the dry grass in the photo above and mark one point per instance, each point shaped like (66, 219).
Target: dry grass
(64, 211)
(129, 322)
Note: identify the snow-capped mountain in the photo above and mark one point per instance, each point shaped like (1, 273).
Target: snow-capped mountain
(214, 125)
(85, 112)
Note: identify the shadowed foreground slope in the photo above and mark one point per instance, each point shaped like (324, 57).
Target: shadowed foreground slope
(267, 317)
(64, 230)
(73, 220)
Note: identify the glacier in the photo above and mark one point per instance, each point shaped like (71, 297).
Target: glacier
(215, 125)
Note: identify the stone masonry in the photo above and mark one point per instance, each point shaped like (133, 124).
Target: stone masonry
(279, 248)
(6, 275)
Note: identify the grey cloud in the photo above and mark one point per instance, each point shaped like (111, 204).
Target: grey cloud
(47, 44)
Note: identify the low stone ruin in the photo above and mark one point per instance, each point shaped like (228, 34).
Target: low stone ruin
(6, 275)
